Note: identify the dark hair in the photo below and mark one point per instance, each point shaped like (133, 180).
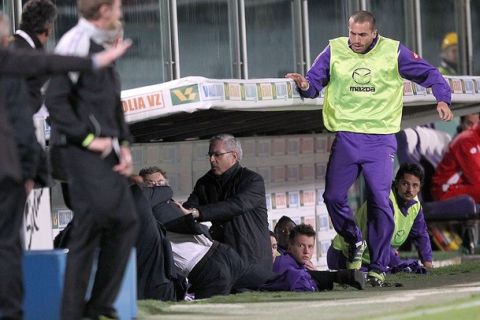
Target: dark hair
(284, 220)
(151, 170)
(38, 16)
(410, 168)
(301, 229)
(272, 234)
(463, 118)
(90, 9)
(364, 16)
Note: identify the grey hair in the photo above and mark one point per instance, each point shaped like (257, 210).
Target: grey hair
(231, 143)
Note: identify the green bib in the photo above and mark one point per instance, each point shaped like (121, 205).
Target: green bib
(365, 92)
(403, 225)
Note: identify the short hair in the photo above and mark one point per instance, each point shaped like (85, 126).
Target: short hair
(410, 168)
(272, 234)
(89, 9)
(301, 229)
(151, 170)
(231, 143)
(282, 222)
(364, 16)
(38, 16)
(464, 117)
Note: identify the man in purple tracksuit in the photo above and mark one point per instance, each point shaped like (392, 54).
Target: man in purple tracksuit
(409, 224)
(294, 274)
(363, 105)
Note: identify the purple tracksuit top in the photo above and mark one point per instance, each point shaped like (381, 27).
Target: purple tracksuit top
(371, 154)
(410, 66)
(291, 276)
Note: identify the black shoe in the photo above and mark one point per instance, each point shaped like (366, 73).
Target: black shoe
(353, 278)
(111, 315)
(102, 317)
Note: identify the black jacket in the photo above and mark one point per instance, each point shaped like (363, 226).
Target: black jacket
(155, 269)
(22, 63)
(20, 116)
(235, 204)
(92, 105)
(34, 83)
(169, 215)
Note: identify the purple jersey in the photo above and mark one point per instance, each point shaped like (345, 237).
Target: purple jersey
(291, 276)
(410, 66)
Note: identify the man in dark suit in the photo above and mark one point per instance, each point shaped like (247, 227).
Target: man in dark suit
(12, 192)
(86, 109)
(36, 26)
(232, 198)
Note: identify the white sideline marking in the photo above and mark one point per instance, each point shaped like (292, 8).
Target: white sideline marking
(433, 310)
(404, 296)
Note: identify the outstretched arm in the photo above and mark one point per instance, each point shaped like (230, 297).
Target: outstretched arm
(317, 77)
(32, 62)
(412, 67)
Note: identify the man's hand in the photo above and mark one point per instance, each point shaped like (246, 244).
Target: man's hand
(125, 167)
(102, 145)
(427, 265)
(309, 265)
(29, 184)
(111, 54)
(444, 111)
(193, 212)
(300, 80)
(135, 178)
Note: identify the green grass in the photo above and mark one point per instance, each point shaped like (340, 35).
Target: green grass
(459, 309)
(455, 274)
(437, 255)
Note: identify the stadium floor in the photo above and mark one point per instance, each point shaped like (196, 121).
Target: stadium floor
(451, 292)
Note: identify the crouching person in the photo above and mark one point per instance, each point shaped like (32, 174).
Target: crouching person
(293, 273)
(409, 223)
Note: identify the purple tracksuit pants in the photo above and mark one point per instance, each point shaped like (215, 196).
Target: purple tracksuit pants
(373, 155)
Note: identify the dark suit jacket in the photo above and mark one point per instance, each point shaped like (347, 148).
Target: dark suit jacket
(20, 117)
(25, 63)
(9, 160)
(155, 269)
(34, 83)
(235, 204)
(169, 215)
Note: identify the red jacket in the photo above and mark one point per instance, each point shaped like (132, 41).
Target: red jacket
(459, 171)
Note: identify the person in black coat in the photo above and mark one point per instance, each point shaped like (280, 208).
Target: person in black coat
(212, 268)
(36, 26)
(232, 198)
(86, 109)
(155, 270)
(12, 191)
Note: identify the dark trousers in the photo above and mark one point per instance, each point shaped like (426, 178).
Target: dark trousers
(335, 259)
(222, 270)
(323, 279)
(216, 272)
(105, 218)
(12, 201)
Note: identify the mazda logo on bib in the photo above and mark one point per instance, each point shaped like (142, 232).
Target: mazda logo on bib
(362, 75)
